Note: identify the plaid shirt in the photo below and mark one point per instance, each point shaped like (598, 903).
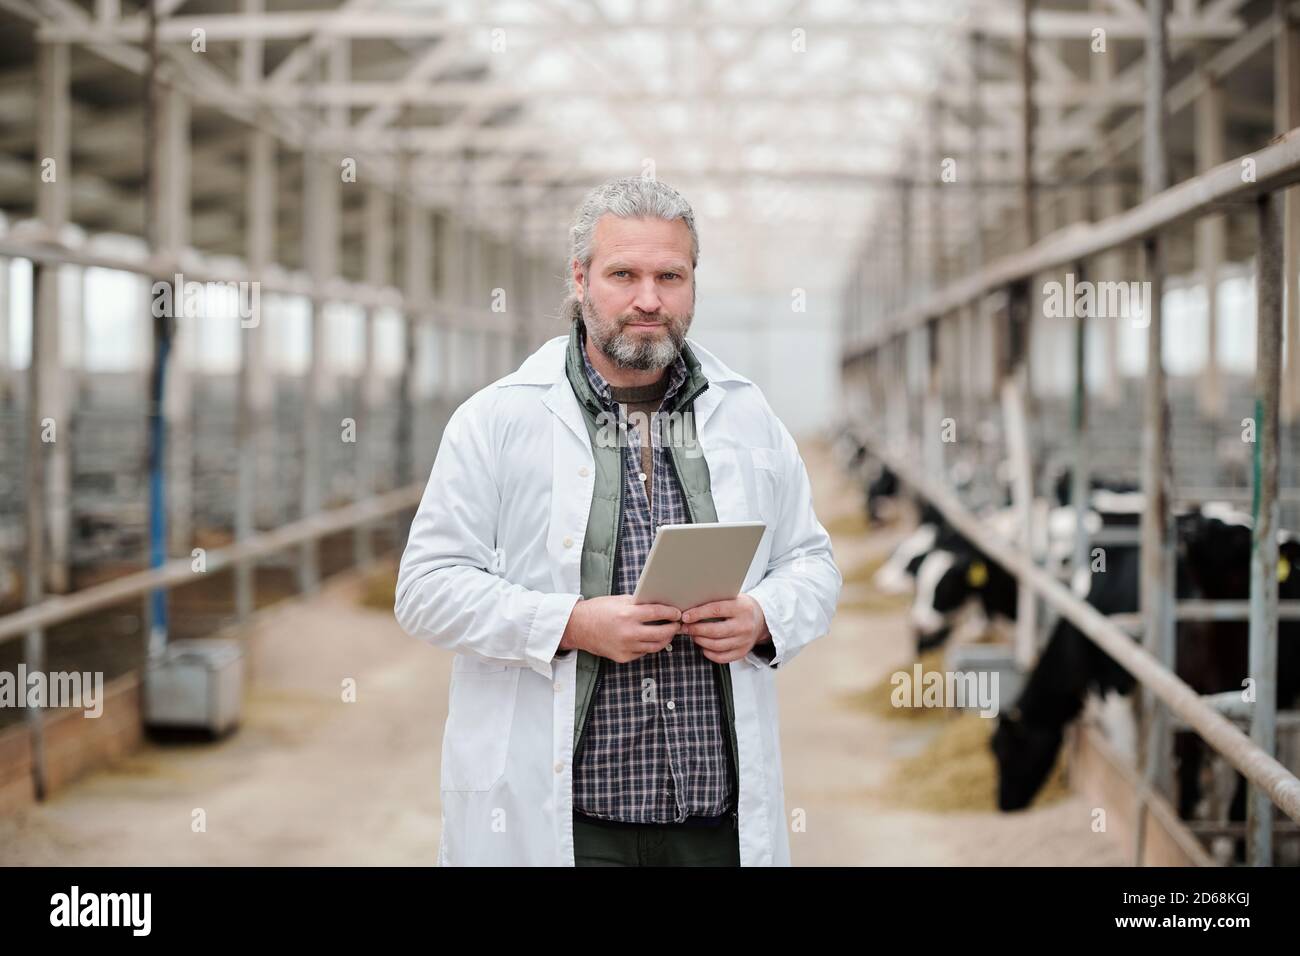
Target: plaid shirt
(655, 749)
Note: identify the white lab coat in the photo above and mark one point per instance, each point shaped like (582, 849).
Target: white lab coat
(491, 572)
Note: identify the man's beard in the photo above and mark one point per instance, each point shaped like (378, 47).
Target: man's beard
(632, 349)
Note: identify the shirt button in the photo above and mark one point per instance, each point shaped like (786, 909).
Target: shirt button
(568, 542)
(583, 471)
(557, 685)
(671, 705)
(640, 476)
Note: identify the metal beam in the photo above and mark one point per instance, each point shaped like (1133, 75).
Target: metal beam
(994, 21)
(1277, 165)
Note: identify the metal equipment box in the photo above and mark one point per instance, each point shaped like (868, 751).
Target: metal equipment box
(195, 684)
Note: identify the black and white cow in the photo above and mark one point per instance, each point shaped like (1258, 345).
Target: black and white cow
(949, 579)
(1219, 549)
(897, 574)
(882, 485)
(1063, 486)
(955, 575)
(1212, 657)
(1029, 735)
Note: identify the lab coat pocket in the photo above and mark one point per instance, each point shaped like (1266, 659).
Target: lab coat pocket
(767, 484)
(729, 484)
(476, 741)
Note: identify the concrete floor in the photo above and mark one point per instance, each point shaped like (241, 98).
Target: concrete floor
(312, 780)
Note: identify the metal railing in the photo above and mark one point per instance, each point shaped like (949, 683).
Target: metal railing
(1253, 181)
(48, 254)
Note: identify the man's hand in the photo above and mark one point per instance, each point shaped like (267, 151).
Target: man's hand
(615, 628)
(730, 639)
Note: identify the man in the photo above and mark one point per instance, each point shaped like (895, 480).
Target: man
(579, 732)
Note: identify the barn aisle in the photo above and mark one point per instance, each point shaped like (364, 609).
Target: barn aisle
(311, 779)
(841, 758)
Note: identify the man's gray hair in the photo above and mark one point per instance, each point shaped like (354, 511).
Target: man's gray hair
(629, 198)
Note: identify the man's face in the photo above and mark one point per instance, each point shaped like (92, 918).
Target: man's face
(638, 296)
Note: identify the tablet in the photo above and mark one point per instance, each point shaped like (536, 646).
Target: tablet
(692, 564)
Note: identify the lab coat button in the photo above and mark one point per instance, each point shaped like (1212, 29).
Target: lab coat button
(559, 768)
(568, 542)
(583, 471)
(557, 685)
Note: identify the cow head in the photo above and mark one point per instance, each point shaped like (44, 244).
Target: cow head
(1025, 754)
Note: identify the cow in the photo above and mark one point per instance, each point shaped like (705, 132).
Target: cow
(881, 485)
(1063, 486)
(955, 574)
(1212, 657)
(1219, 547)
(1029, 735)
(896, 575)
(950, 578)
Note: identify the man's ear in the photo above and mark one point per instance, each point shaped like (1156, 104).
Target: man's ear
(579, 279)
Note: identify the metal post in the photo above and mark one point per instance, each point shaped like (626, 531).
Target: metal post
(1286, 106)
(155, 605)
(1157, 538)
(1028, 189)
(310, 479)
(975, 174)
(1079, 484)
(249, 420)
(904, 244)
(1109, 266)
(1018, 455)
(178, 402)
(52, 204)
(932, 399)
(415, 281)
(1211, 238)
(378, 253)
(34, 640)
(935, 193)
(1263, 565)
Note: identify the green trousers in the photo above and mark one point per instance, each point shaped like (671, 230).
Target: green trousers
(671, 844)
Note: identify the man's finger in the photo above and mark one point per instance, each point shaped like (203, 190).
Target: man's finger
(729, 642)
(712, 609)
(728, 628)
(721, 657)
(657, 612)
(654, 635)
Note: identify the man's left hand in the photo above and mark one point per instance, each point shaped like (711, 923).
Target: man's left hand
(730, 639)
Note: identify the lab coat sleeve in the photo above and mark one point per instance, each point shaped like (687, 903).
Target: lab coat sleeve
(802, 585)
(448, 593)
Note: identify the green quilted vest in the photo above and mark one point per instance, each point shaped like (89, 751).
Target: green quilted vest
(606, 513)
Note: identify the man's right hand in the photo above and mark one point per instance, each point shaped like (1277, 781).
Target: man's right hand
(615, 628)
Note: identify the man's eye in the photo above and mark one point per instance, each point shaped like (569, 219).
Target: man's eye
(671, 275)
(621, 272)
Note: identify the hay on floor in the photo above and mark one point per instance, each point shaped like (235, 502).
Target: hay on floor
(957, 771)
(877, 700)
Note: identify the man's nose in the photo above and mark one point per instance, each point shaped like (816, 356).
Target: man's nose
(647, 297)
